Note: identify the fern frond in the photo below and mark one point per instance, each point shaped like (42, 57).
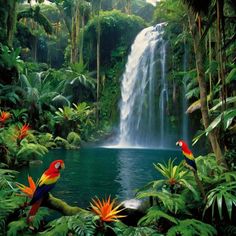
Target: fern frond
(153, 215)
(124, 230)
(192, 227)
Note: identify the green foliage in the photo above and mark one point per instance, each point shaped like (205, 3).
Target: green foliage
(167, 190)
(61, 142)
(46, 140)
(117, 29)
(37, 16)
(17, 227)
(153, 215)
(9, 202)
(174, 203)
(224, 120)
(231, 76)
(73, 139)
(122, 229)
(20, 227)
(175, 176)
(74, 83)
(208, 169)
(39, 90)
(79, 118)
(223, 194)
(10, 94)
(82, 224)
(10, 58)
(191, 227)
(30, 150)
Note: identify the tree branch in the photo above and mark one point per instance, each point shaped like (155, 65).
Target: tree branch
(61, 206)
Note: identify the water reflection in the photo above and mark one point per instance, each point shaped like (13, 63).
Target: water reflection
(100, 172)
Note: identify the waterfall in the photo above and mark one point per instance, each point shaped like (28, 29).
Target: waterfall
(184, 99)
(163, 95)
(144, 92)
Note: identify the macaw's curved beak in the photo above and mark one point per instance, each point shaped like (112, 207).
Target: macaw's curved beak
(177, 144)
(62, 166)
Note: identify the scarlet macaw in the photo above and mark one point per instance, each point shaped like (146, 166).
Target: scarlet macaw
(190, 162)
(188, 155)
(45, 185)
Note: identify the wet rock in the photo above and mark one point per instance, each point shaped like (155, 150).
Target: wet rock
(134, 211)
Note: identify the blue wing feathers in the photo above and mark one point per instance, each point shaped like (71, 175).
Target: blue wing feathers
(40, 192)
(191, 163)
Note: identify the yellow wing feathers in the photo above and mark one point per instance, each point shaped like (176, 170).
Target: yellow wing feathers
(46, 179)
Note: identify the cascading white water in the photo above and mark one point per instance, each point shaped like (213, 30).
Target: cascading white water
(144, 91)
(163, 95)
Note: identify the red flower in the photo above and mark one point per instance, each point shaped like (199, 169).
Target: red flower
(106, 210)
(4, 116)
(29, 191)
(23, 132)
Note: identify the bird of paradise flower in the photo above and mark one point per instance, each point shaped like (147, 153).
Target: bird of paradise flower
(106, 209)
(4, 116)
(23, 131)
(28, 191)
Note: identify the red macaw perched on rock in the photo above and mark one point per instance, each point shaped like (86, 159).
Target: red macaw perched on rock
(191, 164)
(188, 155)
(45, 185)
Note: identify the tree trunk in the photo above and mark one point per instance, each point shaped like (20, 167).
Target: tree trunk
(199, 55)
(128, 7)
(221, 66)
(11, 22)
(75, 28)
(81, 59)
(61, 206)
(98, 61)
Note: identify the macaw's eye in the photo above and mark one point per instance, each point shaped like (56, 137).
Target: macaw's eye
(180, 144)
(57, 165)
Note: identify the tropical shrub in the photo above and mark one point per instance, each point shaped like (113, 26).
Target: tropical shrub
(79, 119)
(172, 190)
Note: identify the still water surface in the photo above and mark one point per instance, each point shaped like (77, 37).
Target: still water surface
(101, 172)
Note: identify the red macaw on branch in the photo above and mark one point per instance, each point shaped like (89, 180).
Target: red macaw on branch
(191, 164)
(45, 185)
(188, 155)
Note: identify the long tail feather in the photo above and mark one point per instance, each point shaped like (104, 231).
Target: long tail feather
(34, 210)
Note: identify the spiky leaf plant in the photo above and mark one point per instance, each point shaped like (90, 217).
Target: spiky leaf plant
(174, 175)
(223, 194)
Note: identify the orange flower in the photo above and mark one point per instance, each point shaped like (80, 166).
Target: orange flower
(105, 209)
(23, 132)
(29, 191)
(4, 116)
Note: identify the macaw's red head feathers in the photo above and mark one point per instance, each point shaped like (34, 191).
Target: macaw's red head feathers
(183, 145)
(57, 165)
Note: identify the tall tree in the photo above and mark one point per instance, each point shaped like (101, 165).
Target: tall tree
(75, 29)
(199, 56)
(96, 7)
